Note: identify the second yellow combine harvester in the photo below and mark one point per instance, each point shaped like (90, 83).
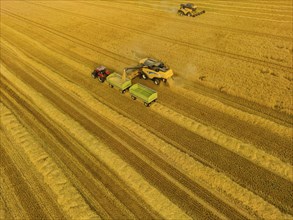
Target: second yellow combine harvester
(189, 9)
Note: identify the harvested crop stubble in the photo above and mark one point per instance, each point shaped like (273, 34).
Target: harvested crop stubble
(67, 196)
(150, 194)
(216, 142)
(230, 188)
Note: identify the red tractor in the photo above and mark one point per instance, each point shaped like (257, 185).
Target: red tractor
(101, 72)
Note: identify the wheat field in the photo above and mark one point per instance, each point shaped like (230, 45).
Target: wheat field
(217, 144)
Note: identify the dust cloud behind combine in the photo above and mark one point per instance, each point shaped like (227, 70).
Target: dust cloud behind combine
(216, 145)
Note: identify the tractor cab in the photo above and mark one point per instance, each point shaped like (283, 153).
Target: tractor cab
(101, 72)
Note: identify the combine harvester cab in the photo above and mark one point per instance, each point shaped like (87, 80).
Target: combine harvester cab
(147, 95)
(115, 80)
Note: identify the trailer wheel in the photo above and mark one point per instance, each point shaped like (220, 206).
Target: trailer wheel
(164, 80)
(189, 14)
(123, 91)
(133, 97)
(157, 81)
(111, 86)
(146, 104)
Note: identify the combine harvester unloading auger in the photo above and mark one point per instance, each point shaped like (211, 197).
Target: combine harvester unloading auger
(189, 9)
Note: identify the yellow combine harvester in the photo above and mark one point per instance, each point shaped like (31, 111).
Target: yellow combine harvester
(189, 9)
(149, 68)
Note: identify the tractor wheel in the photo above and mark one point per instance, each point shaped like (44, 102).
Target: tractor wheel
(123, 91)
(94, 75)
(146, 104)
(189, 14)
(133, 97)
(164, 80)
(111, 86)
(157, 81)
(101, 79)
(144, 76)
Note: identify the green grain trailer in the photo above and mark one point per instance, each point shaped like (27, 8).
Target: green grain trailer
(143, 93)
(115, 81)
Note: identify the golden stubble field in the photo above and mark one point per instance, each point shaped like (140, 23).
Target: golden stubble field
(217, 144)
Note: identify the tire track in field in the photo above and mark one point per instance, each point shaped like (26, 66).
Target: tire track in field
(218, 3)
(85, 168)
(80, 42)
(258, 3)
(262, 133)
(247, 13)
(245, 150)
(126, 159)
(212, 11)
(75, 156)
(231, 8)
(204, 25)
(254, 18)
(288, 67)
(281, 131)
(21, 188)
(229, 4)
(142, 167)
(4, 214)
(91, 47)
(131, 177)
(187, 201)
(67, 196)
(251, 10)
(63, 59)
(242, 4)
(96, 108)
(9, 197)
(42, 193)
(253, 120)
(5, 211)
(230, 55)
